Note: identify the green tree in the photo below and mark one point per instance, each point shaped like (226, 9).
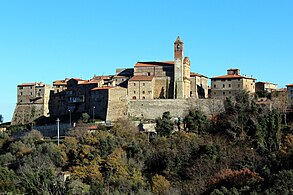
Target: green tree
(164, 125)
(197, 121)
(7, 180)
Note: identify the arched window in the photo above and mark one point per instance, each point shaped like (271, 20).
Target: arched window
(134, 97)
(143, 97)
(178, 47)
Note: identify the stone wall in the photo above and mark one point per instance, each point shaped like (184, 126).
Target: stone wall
(26, 113)
(151, 109)
(117, 103)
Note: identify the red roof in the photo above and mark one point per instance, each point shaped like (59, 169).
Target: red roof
(192, 74)
(152, 64)
(26, 84)
(141, 78)
(232, 76)
(102, 88)
(290, 85)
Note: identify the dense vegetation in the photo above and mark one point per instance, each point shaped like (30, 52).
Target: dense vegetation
(247, 149)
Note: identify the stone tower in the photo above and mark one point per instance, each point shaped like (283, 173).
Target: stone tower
(178, 69)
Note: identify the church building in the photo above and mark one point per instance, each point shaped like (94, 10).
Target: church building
(162, 80)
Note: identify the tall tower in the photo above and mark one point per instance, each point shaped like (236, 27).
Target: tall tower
(178, 69)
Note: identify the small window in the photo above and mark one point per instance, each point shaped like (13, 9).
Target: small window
(134, 84)
(143, 92)
(224, 93)
(134, 92)
(223, 85)
(143, 84)
(149, 73)
(40, 89)
(229, 85)
(20, 93)
(215, 86)
(143, 97)
(31, 93)
(229, 92)
(134, 97)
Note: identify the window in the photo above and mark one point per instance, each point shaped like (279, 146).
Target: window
(143, 84)
(215, 86)
(143, 97)
(20, 93)
(31, 93)
(143, 92)
(134, 84)
(20, 87)
(229, 85)
(40, 89)
(229, 92)
(134, 97)
(224, 93)
(149, 73)
(238, 85)
(134, 92)
(223, 85)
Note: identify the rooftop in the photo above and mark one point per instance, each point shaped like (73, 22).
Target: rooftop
(141, 78)
(154, 63)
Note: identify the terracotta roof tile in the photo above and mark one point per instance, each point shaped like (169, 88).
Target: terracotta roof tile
(141, 78)
(152, 64)
(232, 76)
(26, 84)
(192, 74)
(289, 85)
(102, 88)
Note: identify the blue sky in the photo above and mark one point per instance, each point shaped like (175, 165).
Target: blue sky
(51, 40)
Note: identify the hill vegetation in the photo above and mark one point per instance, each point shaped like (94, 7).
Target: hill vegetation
(246, 149)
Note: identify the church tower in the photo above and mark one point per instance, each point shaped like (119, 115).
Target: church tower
(178, 69)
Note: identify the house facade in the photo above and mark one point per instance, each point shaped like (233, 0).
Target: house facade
(231, 84)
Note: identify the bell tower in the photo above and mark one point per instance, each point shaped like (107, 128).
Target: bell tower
(178, 69)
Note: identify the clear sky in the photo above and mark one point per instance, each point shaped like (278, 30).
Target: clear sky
(51, 40)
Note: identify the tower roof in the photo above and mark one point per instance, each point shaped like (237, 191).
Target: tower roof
(178, 40)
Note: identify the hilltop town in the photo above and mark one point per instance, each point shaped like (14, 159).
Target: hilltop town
(142, 92)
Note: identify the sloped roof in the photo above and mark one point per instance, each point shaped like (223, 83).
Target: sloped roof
(102, 88)
(141, 78)
(193, 74)
(232, 76)
(289, 85)
(154, 63)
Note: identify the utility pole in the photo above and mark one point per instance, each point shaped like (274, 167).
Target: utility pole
(94, 114)
(58, 131)
(69, 118)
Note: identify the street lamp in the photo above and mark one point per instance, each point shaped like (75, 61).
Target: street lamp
(94, 113)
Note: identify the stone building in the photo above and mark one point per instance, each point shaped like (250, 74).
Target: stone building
(162, 80)
(230, 84)
(109, 103)
(198, 86)
(265, 86)
(290, 94)
(32, 102)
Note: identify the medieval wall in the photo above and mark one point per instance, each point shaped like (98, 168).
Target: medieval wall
(163, 88)
(152, 109)
(26, 113)
(117, 103)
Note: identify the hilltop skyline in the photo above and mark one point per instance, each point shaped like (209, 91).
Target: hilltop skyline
(47, 41)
